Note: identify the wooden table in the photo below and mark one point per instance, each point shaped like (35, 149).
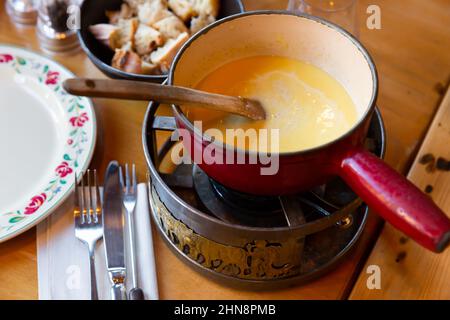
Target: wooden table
(411, 53)
(405, 269)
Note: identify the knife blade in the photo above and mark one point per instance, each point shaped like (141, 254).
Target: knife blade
(113, 231)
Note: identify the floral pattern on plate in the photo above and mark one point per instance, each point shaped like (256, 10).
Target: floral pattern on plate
(78, 148)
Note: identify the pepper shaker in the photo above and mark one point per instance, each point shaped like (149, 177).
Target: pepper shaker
(54, 29)
(23, 11)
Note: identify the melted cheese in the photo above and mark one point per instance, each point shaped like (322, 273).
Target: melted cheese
(306, 104)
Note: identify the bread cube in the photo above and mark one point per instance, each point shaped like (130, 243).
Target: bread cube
(164, 55)
(127, 60)
(146, 39)
(206, 7)
(184, 9)
(151, 12)
(170, 27)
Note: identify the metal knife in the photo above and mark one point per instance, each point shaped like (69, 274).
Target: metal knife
(113, 231)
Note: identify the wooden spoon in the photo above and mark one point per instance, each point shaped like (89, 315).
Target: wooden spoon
(137, 90)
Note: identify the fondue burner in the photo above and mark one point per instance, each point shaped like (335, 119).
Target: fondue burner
(245, 240)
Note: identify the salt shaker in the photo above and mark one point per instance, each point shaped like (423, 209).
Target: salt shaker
(54, 28)
(23, 11)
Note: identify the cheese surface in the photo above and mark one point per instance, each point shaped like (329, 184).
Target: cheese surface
(306, 104)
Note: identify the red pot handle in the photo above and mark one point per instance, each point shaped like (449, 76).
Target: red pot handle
(396, 199)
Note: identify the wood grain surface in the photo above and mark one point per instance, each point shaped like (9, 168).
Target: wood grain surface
(411, 53)
(407, 270)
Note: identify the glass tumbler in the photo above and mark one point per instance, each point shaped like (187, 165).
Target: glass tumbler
(340, 12)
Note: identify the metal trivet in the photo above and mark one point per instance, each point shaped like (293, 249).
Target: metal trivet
(250, 241)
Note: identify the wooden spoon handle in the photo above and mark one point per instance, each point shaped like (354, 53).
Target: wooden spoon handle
(137, 90)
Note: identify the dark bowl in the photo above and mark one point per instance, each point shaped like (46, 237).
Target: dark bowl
(93, 12)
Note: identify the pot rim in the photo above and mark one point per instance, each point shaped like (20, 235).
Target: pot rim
(369, 111)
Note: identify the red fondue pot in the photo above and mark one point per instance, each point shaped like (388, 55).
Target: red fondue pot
(332, 49)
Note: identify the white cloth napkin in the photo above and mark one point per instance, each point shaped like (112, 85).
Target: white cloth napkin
(63, 261)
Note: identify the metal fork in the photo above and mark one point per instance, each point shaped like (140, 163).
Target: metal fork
(129, 202)
(88, 221)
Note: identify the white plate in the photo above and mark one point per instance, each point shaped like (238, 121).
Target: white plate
(46, 136)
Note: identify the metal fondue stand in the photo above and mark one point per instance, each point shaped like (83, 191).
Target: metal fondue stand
(249, 241)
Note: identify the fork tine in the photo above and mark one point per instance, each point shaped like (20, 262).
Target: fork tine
(97, 206)
(134, 178)
(76, 210)
(83, 206)
(127, 178)
(121, 177)
(88, 198)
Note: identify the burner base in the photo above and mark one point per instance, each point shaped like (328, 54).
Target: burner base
(254, 265)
